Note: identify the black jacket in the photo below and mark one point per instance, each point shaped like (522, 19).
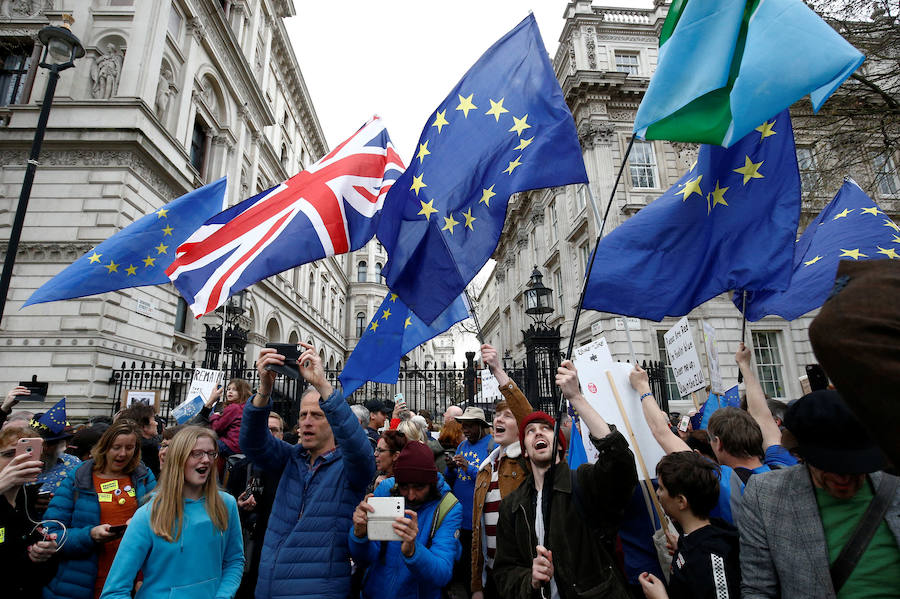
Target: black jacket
(587, 507)
(21, 577)
(706, 564)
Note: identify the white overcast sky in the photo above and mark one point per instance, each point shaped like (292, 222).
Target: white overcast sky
(400, 58)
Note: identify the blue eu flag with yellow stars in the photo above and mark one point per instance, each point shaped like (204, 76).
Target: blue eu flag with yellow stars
(504, 128)
(393, 332)
(139, 254)
(851, 227)
(728, 224)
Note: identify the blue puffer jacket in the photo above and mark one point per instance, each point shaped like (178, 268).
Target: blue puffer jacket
(392, 574)
(75, 505)
(305, 548)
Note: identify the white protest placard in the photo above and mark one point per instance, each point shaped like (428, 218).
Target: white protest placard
(202, 386)
(595, 351)
(683, 358)
(490, 389)
(712, 355)
(596, 388)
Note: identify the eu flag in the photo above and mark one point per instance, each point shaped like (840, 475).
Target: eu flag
(729, 223)
(504, 128)
(851, 227)
(731, 398)
(393, 332)
(137, 255)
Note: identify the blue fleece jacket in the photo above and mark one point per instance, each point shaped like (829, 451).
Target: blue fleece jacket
(392, 574)
(305, 551)
(75, 505)
(202, 563)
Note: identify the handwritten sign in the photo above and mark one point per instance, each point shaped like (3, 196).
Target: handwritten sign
(202, 386)
(683, 358)
(490, 388)
(712, 356)
(596, 388)
(595, 351)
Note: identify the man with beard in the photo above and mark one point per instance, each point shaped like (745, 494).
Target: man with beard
(568, 555)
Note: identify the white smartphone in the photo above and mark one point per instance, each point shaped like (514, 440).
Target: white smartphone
(382, 519)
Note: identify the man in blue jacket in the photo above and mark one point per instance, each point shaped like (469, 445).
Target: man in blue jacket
(323, 478)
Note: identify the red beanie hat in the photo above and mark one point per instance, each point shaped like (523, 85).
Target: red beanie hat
(415, 464)
(539, 417)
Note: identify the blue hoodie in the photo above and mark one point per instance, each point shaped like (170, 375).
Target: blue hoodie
(203, 563)
(392, 574)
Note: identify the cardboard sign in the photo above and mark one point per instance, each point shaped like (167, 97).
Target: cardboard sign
(490, 388)
(712, 356)
(683, 358)
(596, 388)
(202, 386)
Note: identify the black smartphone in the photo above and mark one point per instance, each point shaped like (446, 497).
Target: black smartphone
(118, 530)
(290, 351)
(816, 375)
(38, 390)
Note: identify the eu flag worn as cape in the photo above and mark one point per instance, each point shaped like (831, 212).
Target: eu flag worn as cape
(729, 223)
(851, 227)
(393, 332)
(725, 66)
(139, 254)
(504, 128)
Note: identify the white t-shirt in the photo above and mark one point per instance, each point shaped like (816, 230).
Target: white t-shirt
(539, 532)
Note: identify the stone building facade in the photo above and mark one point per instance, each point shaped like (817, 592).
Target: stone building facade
(604, 62)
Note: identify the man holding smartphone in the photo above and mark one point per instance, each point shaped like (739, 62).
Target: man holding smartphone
(323, 478)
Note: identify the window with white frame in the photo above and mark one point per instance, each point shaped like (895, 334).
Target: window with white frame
(581, 197)
(671, 385)
(886, 174)
(642, 163)
(806, 162)
(627, 62)
(554, 222)
(769, 365)
(15, 61)
(361, 272)
(360, 324)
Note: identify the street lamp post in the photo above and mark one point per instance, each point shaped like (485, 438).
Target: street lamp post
(61, 48)
(541, 344)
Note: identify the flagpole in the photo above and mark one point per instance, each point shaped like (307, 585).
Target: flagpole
(743, 329)
(224, 322)
(479, 334)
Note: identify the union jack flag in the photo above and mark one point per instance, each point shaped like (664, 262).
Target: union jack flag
(330, 208)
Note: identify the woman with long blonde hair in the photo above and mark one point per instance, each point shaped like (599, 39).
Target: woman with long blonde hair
(187, 538)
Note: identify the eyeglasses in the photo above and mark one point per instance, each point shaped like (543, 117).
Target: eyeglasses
(380, 450)
(199, 453)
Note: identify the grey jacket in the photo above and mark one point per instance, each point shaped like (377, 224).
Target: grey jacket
(783, 547)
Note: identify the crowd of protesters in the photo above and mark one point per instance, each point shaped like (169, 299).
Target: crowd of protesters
(770, 500)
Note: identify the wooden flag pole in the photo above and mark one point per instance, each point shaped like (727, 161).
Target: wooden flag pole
(634, 445)
(696, 403)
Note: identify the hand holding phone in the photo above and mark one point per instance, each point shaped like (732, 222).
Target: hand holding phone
(31, 447)
(118, 530)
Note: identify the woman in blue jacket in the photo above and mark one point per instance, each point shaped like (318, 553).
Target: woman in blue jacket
(421, 563)
(103, 491)
(187, 539)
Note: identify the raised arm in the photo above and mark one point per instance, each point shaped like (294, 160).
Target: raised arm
(518, 403)
(756, 399)
(257, 443)
(567, 379)
(655, 417)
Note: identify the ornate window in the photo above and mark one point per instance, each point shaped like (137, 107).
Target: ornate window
(627, 62)
(15, 60)
(642, 163)
(360, 324)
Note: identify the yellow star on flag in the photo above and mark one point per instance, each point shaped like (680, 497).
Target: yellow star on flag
(520, 125)
(813, 261)
(873, 211)
(417, 184)
(111, 267)
(693, 165)
(440, 121)
(896, 239)
(131, 270)
(407, 322)
(766, 130)
(95, 258)
(889, 223)
(718, 197)
(512, 165)
(449, 223)
(423, 152)
(167, 231)
(855, 254)
(750, 170)
(890, 252)
(486, 195)
(148, 261)
(386, 313)
(161, 249)
(523, 143)
(427, 209)
(394, 297)
(843, 213)
(374, 326)
(162, 212)
(691, 187)
(469, 218)
(496, 109)
(465, 104)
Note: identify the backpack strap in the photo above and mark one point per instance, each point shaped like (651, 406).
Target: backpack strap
(443, 508)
